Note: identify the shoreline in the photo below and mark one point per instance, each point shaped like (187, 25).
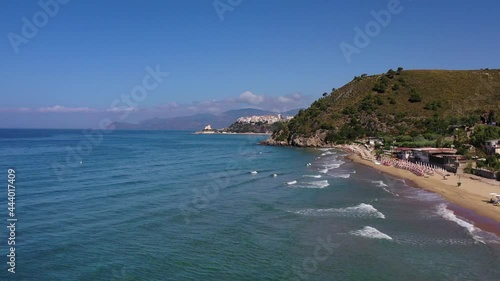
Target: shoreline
(469, 203)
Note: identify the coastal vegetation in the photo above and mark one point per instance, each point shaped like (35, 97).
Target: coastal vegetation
(404, 107)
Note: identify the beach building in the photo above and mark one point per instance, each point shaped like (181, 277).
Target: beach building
(426, 154)
(492, 147)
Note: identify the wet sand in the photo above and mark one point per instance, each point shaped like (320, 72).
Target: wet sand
(471, 197)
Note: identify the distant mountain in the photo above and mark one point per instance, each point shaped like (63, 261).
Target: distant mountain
(292, 112)
(198, 121)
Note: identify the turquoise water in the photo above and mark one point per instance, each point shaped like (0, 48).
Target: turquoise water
(176, 206)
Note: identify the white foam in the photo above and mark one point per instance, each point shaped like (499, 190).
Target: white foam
(410, 239)
(332, 166)
(422, 195)
(443, 211)
(312, 176)
(361, 211)
(371, 232)
(379, 183)
(317, 184)
(291, 182)
(275, 175)
(388, 191)
(253, 172)
(366, 209)
(345, 176)
(323, 171)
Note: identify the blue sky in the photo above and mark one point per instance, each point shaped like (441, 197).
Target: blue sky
(277, 55)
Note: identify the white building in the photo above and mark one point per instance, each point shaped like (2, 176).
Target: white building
(266, 119)
(492, 147)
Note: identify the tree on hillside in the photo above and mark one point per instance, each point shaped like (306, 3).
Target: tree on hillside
(491, 117)
(391, 73)
(325, 94)
(381, 85)
(482, 133)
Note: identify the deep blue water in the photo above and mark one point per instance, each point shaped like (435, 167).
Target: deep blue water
(158, 205)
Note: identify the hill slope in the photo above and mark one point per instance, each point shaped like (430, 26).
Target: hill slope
(414, 103)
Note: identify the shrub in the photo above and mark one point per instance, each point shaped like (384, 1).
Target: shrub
(381, 85)
(435, 105)
(396, 86)
(349, 110)
(414, 96)
(402, 81)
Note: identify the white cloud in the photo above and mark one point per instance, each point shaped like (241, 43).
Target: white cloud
(122, 109)
(172, 109)
(249, 98)
(294, 98)
(63, 109)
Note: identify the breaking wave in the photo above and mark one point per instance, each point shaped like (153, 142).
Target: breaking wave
(380, 183)
(449, 215)
(344, 176)
(312, 184)
(360, 211)
(312, 176)
(371, 232)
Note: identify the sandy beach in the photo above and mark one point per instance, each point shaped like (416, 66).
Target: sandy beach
(473, 194)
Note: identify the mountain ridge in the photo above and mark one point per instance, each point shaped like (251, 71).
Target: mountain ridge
(197, 121)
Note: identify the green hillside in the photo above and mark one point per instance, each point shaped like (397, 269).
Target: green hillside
(406, 105)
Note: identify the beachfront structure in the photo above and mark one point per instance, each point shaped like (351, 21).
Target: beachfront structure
(492, 147)
(424, 154)
(444, 158)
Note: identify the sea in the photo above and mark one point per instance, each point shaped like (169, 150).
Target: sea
(172, 205)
